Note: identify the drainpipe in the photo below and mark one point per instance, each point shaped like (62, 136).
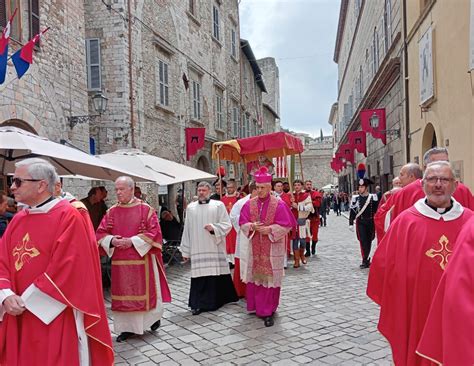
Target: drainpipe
(406, 81)
(130, 73)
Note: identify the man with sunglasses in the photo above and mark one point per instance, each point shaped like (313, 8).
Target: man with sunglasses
(52, 309)
(411, 258)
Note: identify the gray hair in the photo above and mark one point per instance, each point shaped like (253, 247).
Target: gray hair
(204, 184)
(126, 179)
(439, 163)
(433, 151)
(413, 169)
(42, 169)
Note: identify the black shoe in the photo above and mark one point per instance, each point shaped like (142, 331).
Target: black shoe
(155, 325)
(268, 321)
(124, 336)
(196, 311)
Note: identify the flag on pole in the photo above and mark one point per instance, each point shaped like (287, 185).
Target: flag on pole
(23, 58)
(4, 48)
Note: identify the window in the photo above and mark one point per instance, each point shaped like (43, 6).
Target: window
(192, 7)
(6, 10)
(219, 110)
(243, 133)
(375, 51)
(34, 19)
(196, 100)
(255, 128)
(215, 22)
(235, 121)
(387, 21)
(94, 81)
(247, 124)
(233, 43)
(163, 84)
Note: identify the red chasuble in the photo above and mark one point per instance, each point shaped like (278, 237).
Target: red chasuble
(229, 202)
(448, 337)
(405, 272)
(56, 252)
(408, 195)
(133, 281)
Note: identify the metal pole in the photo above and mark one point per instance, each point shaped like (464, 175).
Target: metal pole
(301, 167)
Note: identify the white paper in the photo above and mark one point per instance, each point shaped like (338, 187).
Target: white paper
(45, 307)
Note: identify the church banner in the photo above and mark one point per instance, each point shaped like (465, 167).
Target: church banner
(194, 141)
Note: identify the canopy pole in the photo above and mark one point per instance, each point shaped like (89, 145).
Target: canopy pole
(288, 171)
(219, 177)
(301, 167)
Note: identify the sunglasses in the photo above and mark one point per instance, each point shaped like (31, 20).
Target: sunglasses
(18, 181)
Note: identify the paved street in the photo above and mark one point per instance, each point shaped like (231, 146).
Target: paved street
(324, 318)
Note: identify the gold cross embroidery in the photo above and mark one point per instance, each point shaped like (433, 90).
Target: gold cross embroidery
(23, 254)
(444, 252)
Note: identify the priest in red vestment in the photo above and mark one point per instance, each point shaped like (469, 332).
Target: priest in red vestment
(410, 260)
(286, 197)
(52, 310)
(411, 193)
(130, 234)
(408, 173)
(448, 335)
(265, 220)
(229, 199)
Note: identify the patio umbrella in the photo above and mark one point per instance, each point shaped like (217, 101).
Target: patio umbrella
(17, 144)
(159, 170)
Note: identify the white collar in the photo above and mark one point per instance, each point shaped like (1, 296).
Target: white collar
(427, 211)
(45, 208)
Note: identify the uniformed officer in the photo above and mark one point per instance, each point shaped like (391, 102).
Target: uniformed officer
(362, 211)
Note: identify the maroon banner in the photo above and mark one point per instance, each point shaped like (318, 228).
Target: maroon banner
(358, 140)
(379, 131)
(194, 140)
(347, 151)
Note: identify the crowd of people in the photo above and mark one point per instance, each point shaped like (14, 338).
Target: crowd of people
(238, 242)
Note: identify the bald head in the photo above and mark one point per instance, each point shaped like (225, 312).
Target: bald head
(435, 154)
(409, 173)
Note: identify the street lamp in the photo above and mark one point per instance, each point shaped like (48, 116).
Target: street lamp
(99, 100)
(374, 121)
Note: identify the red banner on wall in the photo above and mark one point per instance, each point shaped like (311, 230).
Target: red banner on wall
(347, 151)
(358, 140)
(378, 115)
(194, 141)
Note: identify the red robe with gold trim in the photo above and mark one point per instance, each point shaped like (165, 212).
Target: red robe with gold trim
(133, 281)
(55, 251)
(448, 337)
(406, 270)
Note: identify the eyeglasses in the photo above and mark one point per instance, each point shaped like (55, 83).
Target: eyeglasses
(444, 181)
(18, 181)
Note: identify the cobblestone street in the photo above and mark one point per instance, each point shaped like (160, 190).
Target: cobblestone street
(324, 317)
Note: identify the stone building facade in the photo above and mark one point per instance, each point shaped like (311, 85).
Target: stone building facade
(271, 99)
(54, 87)
(316, 160)
(370, 76)
(163, 65)
(440, 55)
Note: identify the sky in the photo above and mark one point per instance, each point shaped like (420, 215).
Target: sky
(300, 35)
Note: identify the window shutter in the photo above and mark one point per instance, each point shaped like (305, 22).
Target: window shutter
(34, 17)
(93, 64)
(3, 13)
